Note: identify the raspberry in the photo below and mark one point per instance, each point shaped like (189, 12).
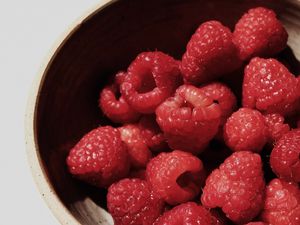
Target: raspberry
(285, 156)
(246, 130)
(151, 78)
(209, 54)
(282, 204)
(100, 157)
(237, 187)
(138, 150)
(131, 201)
(152, 134)
(189, 120)
(176, 176)
(259, 33)
(116, 109)
(256, 223)
(276, 126)
(187, 213)
(269, 87)
(221, 94)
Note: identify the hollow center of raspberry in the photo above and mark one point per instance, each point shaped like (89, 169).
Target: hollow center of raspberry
(187, 104)
(148, 83)
(188, 181)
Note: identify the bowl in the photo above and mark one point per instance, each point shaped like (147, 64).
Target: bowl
(63, 103)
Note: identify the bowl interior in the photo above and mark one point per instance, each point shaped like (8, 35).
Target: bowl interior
(104, 43)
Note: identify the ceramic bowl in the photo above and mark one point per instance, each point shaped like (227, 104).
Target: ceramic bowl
(63, 103)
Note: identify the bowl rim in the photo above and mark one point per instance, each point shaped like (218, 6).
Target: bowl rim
(61, 213)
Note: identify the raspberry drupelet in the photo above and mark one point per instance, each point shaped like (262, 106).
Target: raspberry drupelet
(132, 202)
(189, 120)
(151, 78)
(100, 157)
(116, 109)
(270, 88)
(176, 176)
(282, 204)
(285, 156)
(210, 53)
(237, 187)
(259, 33)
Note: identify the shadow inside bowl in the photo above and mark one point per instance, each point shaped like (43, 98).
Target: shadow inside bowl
(104, 43)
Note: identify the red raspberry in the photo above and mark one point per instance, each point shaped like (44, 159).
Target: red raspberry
(100, 157)
(209, 54)
(189, 120)
(222, 95)
(285, 156)
(151, 78)
(131, 201)
(282, 204)
(116, 109)
(246, 130)
(276, 126)
(269, 87)
(237, 187)
(138, 150)
(256, 223)
(259, 33)
(176, 176)
(152, 134)
(187, 213)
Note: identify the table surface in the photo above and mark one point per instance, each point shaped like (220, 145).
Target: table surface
(29, 29)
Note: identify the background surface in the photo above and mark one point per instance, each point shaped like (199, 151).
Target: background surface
(28, 31)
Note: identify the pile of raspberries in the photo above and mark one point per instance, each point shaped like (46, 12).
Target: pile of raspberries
(184, 149)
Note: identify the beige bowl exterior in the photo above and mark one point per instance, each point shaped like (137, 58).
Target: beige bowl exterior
(33, 156)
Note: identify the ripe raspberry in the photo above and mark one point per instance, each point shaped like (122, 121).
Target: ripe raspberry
(151, 78)
(131, 201)
(176, 176)
(222, 95)
(187, 213)
(282, 204)
(269, 87)
(116, 109)
(209, 54)
(237, 187)
(285, 156)
(246, 130)
(152, 134)
(138, 150)
(259, 33)
(276, 126)
(100, 157)
(189, 120)
(256, 223)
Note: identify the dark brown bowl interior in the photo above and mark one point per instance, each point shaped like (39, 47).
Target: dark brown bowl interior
(104, 43)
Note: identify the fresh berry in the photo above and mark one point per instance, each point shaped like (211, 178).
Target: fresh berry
(245, 130)
(237, 187)
(138, 150)
(152, 134)
(276, 126)
(176, 176)
(282, 204)
(256, 223)
(100, 157)
(209, 54)
(269, 87)
(259, 33)
(285, 156)
(151, 78)
(189, 120)
(116, 109)
(132, 202)
(188, 213)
